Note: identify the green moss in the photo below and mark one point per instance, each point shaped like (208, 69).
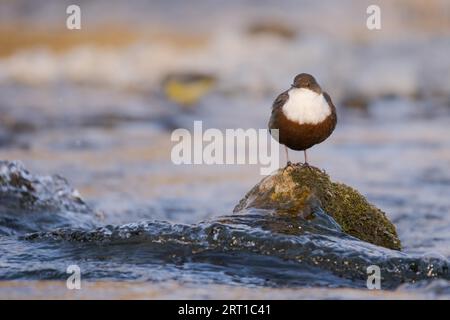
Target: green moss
(299, 190)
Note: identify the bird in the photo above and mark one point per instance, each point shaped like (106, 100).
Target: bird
(186, 89)
(304, 116)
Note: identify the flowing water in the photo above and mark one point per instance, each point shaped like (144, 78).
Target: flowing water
(95, 185)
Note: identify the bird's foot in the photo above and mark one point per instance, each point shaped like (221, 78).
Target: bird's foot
(310, 167)
(306, 165)
(288, 165)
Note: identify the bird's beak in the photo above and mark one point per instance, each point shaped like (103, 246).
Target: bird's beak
(292, 86)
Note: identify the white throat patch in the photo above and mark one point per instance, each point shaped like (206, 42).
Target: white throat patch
(305, 106)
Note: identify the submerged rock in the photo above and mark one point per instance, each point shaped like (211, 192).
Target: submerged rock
(303, 191)
(30, 203)
(257, 248)
(38, 191)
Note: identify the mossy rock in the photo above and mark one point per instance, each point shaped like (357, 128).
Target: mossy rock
(299, 190)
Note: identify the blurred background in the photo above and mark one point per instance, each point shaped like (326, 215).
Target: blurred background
(98, 105)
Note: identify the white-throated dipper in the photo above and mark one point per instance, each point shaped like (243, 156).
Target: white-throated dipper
(304, 115)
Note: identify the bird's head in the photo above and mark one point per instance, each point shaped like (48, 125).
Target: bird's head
(306, 81)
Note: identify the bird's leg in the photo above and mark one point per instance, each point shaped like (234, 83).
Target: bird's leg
(288, 163)
(306, 158)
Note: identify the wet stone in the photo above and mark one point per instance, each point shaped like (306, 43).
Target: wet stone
(31, 203)
(303, 191)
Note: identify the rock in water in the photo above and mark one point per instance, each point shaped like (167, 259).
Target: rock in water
(302, 191)
(31, 203)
